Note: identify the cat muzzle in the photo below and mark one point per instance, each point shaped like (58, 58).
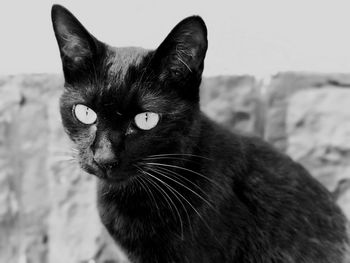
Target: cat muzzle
(107, 166)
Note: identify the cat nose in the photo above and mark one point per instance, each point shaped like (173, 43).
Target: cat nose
(104, 155)
(105, 159)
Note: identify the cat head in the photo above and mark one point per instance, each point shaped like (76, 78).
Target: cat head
(121, 105)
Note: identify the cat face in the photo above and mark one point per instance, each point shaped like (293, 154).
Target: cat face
(121, 105)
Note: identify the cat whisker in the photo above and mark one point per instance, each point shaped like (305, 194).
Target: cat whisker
(185, 199)
(64, 159)
(67, 150)
(149, 192)
(167, 198)
(204, 221)
(188, 170)
(172, 173)
(65, 155)
(181, 155)
(184, 159)
(183, 206)
(186, 187)
(144, 182)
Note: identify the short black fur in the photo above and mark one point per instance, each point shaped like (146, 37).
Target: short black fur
(186, 190)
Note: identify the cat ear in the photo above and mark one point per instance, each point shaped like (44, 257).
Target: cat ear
(183, 51)
(77, 46)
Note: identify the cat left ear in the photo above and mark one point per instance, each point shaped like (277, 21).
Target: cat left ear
(183, 51)
(77, 46)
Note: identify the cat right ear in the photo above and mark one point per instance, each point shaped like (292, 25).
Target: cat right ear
(78, 48)
(183, 50)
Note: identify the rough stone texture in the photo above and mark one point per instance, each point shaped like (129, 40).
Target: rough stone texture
(235, 102)
(284, 85)
(9, 181)
(73, 218)
(318, 132)
(47, 204)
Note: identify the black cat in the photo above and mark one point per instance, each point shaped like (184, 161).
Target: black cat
(175, 186)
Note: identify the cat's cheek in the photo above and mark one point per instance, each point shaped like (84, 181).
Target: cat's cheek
(85, 136)
(83, 141)
(88, 164)
(92, 134)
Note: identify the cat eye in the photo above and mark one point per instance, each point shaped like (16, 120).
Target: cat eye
(146, 120)
(84, 114)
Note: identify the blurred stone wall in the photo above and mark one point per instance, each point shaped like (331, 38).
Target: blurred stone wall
(47, 205)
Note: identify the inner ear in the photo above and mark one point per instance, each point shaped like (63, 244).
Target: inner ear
(73, 46)
(183, 50)
(77, 46)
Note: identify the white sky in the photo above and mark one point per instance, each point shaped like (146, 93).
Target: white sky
(256, 37)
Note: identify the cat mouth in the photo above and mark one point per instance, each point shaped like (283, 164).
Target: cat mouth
(116, 175)
(112, 174)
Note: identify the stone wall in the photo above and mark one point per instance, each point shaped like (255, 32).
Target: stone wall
(47, 204)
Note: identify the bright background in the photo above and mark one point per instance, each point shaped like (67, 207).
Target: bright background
(255, 37)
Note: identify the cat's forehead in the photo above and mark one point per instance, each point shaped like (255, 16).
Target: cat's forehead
(120, 59)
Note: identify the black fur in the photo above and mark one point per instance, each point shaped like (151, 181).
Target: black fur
(210, 195)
